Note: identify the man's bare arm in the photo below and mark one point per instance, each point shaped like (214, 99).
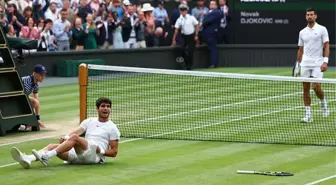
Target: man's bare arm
(35, 95)
(79, 131)
(326, 53)
(37, 109)
(175, 35)
(300, 54)
(196, 29)
(112, 151)
(326, 49)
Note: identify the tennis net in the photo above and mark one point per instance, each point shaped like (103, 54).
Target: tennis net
(195, 105)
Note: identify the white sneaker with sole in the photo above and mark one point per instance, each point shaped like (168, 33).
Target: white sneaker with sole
(307, 119)
(18, 156)
(41, 156)
(325, 111)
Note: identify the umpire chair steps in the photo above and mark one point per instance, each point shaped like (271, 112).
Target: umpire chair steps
(15, 106)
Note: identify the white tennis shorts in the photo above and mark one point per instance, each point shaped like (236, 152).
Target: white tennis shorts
(89, 156)
(311, 72)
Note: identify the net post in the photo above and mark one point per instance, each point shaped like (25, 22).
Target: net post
(83, 82)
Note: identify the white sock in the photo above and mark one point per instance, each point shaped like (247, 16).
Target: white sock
(31, 158)
(324, 103)
(308, 111)
(51, 153)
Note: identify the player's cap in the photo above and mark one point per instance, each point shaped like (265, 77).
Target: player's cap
(40, 69)
(183, 7)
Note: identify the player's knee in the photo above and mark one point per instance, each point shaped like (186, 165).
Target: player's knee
(52, 146)
(315, 87)
(74, 137)
(71, 135)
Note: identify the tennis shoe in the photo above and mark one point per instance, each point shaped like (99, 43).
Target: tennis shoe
(41, 156)
(20, 157)
(307, 119)
(325, 111)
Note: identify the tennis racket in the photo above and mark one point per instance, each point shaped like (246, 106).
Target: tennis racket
(296, 69)
(265, 173)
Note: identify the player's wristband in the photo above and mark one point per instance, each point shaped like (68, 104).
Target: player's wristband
(326, 60)
(66, 137)
(102, 151)
(38, 117)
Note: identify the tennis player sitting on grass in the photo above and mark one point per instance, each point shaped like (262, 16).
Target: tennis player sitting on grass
(101, 139)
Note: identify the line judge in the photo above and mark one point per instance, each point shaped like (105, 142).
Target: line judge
(188, 25)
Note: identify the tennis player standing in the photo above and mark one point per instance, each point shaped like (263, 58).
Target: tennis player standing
(313, 59)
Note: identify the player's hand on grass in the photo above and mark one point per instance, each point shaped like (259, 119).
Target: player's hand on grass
(41, 124)
(324, 67)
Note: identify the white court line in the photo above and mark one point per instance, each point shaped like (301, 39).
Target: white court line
(321, 180)
(27, 140)
(6, 165)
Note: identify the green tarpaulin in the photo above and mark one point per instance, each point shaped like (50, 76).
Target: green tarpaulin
(21, 43)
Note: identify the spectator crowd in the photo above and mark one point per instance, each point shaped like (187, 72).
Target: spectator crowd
(61, 25)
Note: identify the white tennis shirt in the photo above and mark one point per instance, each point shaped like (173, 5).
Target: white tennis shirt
(100, 133)
(312, 40)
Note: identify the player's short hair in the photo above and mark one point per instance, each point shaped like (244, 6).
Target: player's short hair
(311, 10)
(101, 100)
(214, 1)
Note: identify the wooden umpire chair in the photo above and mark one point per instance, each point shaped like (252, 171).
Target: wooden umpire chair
(15, 107)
